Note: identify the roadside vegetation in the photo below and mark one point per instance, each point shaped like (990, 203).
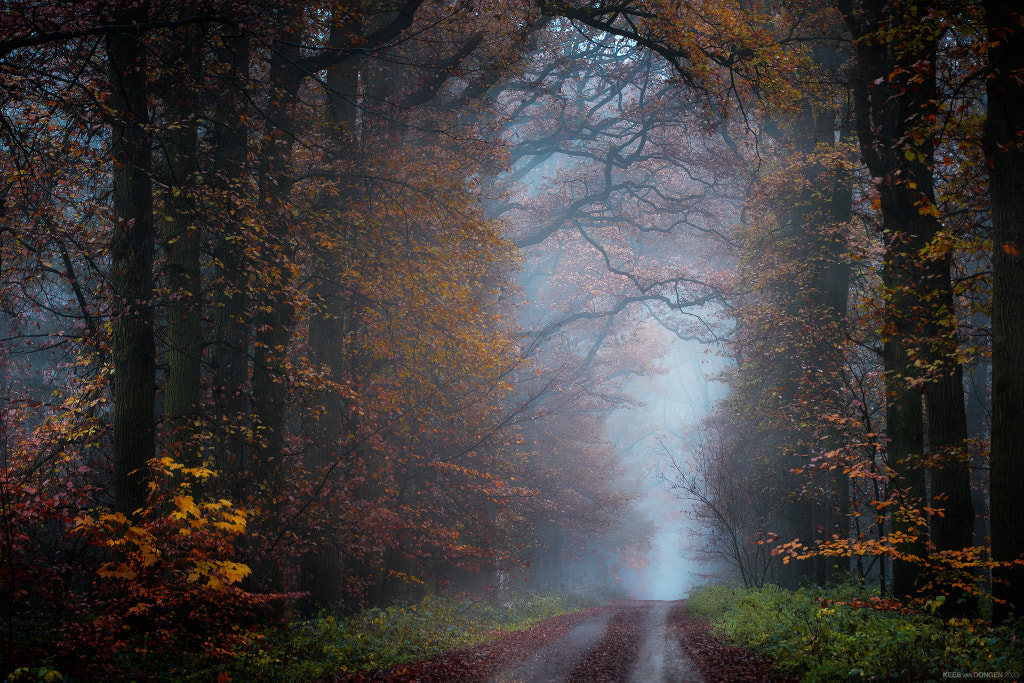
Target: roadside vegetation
(381, 638)
(332, 645)
(842, 632)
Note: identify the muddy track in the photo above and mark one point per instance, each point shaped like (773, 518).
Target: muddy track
(636, 641)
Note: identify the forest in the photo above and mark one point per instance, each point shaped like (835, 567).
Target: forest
(318, 307)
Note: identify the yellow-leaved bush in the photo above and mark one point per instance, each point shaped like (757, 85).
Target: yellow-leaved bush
(180, 535)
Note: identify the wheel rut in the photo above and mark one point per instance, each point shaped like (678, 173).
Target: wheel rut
(632, 643)
(557, 660)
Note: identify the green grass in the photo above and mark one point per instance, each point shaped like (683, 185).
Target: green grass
(816, 635)
(324, 647)
(380, 638)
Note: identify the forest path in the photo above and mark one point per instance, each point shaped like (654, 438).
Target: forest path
(662, 657)
(556, 661)
(631, 642)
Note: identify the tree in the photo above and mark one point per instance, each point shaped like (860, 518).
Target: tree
(1002, 140)
(181, 242)
(722, 478)
(897, 114)
(132, 240)
(789, 344)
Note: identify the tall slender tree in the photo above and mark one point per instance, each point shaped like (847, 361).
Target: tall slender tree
(180, 225)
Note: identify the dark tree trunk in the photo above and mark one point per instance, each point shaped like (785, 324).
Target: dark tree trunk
(131, 266)
(808, 221)
(904, 433)
(330, 329)
(227, 180)
(1004, 128)
(832, 286)
(275, 310)
(182, 395)
(896, 108)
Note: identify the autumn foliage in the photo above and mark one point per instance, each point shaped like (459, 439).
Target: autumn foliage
(855, 438)
(261, 347)
(328, 304)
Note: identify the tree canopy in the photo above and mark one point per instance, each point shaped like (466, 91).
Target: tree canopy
(332, 304)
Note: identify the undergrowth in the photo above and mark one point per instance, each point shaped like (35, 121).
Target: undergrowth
(839, 633)
(322, 648)
(328, 646)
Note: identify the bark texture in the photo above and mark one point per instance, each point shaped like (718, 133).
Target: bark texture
(181, 243)
(1004, 135)
(131, 265)
(896, 112)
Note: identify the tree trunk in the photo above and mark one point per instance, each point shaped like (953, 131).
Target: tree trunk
(329, 341)
(832, 286)
(896, 107)
(131, 266)
(1004, 128)
(227, 179)
(183, 355)
(817, 302)
(904, 433)
(275, 310)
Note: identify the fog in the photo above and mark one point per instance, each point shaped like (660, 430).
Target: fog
(619, 301)
(674, 402)
(342, 306)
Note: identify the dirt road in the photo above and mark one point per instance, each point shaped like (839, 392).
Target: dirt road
(634, 641)
(631, 643)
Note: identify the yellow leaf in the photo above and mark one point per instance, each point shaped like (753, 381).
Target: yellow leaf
(233, 571)
(186, 507)
(118, 571)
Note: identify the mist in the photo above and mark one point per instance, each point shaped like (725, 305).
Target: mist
(621, 289)
(657, 376)
(315, 312)
(674, 403)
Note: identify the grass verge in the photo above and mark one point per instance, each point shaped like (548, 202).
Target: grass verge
(839, 633)
(329, 646)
